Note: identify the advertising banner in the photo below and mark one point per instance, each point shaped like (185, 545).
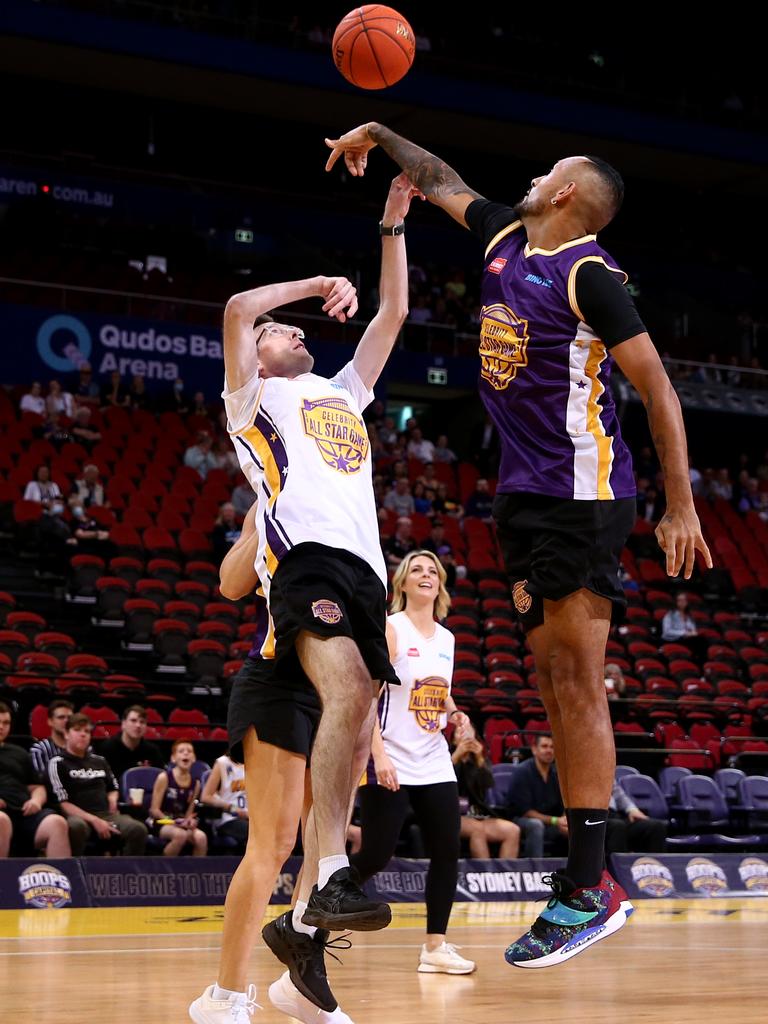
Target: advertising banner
(685, 875)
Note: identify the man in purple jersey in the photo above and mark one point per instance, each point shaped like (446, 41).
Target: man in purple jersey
(554, 316)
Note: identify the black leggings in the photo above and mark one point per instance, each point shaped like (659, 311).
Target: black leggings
(436, 807)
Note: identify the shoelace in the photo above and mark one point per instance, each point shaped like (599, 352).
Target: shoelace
(558, 884)
(342, 942)
(243, 1011)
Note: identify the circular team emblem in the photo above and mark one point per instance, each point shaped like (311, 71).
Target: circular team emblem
(754, 874)
(42, 886)
(521, 597)
(706, 877)
(327, 611)
(340, 436)
(652, 877)
(427, 701)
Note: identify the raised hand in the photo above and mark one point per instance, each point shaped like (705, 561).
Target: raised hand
(340, 297)
(354, 146)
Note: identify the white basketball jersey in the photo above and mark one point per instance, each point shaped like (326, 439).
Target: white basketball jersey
(232, 788)
(412, 715)
(304, 448)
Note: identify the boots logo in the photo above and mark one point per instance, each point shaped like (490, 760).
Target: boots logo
(42, 886)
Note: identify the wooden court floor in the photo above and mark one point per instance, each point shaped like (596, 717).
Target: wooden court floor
(676, 962)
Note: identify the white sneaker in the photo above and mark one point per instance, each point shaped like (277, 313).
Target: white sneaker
(444, 960)
(237, 1010)
(285, 997)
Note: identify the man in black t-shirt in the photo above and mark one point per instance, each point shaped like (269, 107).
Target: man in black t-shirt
(22, 796)
(130, 749)
(86, 789)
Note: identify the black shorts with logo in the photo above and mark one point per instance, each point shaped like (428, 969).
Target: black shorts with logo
(281, 704)
(553, 547)
(331, 592)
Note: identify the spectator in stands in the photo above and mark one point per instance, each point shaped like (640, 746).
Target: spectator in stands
(400, 499)
(537, 802)
(615, 684)
(84, 387)
(480, 501)
(419, 447)
(388, 432)
(479, 825)
(420, 311)
(646, 464)
(88, 489)
(485, 447)
(629, 829)
(649, 507)
(177, 400)
(138, 395)
(225, 456)
(437, 544)
(225, 788)
(243, 497)
(173, 804)
(22, 799)
(442, 452)
(88, 534)
(733, 374)
(86, 789)
(697, 480)
(429, 477)
(60, 401)
(129, 749)
(199, 406)
(442, 505)
(81, 429)
(43, 489)
(115, 392)
(199, 455)
(720, 487)
(56, 540)
(710, 373)
(226, 531)
(421, 503)
(677, 625)
(751, 498)
(42, 751)
(400, 543)
(55, 431)
(33, 401)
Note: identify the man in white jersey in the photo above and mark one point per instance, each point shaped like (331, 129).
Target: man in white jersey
(225, 788)
(303, 446)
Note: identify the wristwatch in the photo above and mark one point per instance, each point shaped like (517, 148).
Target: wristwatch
(393, 229)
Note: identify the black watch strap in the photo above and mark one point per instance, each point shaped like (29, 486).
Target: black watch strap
(392, 229)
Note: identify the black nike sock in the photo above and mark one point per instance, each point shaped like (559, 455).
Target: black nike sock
(586, 845)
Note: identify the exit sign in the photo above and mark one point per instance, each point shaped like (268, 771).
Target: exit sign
(244, 235)
(437, 375)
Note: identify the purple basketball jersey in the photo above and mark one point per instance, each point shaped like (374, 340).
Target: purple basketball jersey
(544, 374)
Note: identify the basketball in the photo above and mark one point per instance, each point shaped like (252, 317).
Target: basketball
(373, 46)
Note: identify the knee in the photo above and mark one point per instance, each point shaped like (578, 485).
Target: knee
(534, 826)
(511, 830)
(5, 821)
(200, 839)
(57, 826)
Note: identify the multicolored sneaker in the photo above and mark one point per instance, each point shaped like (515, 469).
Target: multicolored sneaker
(574, 920)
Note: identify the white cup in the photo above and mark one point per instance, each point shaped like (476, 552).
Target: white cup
(136, 796)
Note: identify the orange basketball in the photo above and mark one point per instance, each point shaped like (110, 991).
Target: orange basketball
(373, 46)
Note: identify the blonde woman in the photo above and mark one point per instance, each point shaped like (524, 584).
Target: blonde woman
(411, 765)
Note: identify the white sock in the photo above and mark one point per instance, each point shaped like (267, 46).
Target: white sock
(224, 993)
(298, 924)
(326, 867)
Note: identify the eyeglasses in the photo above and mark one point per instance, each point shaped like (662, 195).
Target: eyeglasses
(277, 329)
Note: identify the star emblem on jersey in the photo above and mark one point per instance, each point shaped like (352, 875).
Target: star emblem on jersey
(327, 611)
(503, 345)
(522, 599)
(427, 701)
(581, 385)
(339, 434)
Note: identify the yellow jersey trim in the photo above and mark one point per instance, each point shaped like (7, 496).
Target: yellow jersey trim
(503, 234)
(597, 355)
(528, 251)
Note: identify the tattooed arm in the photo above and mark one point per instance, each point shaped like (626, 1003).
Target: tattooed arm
(679, 532)
(431, 175)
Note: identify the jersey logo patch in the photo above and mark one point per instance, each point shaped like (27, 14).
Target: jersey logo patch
(340, 436)
(522, 599)
(327, 611)
(496, 266)
(413, 652)
(503, 345)
(427, 701)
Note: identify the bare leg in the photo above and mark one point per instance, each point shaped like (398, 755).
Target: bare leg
(473, 830)
(53, 834)
(507, 834)
(539, 640)
(177, 838)
(6, 834)
(337, 670)
(274, 783)
(199, 843)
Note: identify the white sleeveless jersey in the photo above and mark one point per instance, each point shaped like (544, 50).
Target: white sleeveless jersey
(412, 715)
(304, 448)
(232, 788)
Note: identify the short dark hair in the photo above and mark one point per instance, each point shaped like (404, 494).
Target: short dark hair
(263, 318)
(140, 711)
(59, 703)
(4, 709)
(78, 721)
(612, 181)
(541, 736)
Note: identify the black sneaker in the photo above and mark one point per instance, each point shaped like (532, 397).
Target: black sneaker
(303, 955)
(341, 903)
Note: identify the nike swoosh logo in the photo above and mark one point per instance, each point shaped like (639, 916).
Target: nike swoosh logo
(601, 822)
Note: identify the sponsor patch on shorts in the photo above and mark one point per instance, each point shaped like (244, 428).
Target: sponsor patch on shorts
(327, 611)
(521, 597)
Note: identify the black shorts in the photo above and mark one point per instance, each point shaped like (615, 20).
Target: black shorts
(553, 547)
(331, 592)
(24, 828)
(281, 704)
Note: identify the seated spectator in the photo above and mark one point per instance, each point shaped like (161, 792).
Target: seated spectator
(57, 542)
(88, 534)
(480, 501)
(421, 503)
(43, 489)
(33, 401)
(59, 401)
(475, 778)
(115, 392)
(388, 432)
(42, 751)
(199, 455)
(697, 481)
(22, 799)
(177, 399)
(199, 406)
(436, 538)
(243, 497)
(129, 749)
(733, 374)
(649, 506)
(429, 478)
(720, 486)
(226, 531)
(88, 489)
(55, 431)
(225, 789)
(400, 543)
(615, 685)
(677, 624)
(420, 311)
(173, 804)
(225, 456)
(629, 830)
(419, 447)
(399, 499)
(139, 397)
(84, 388)
(81, 429)
(537, 802)
(86, 789)
(442, 505)
(751, 499)
(442, 452)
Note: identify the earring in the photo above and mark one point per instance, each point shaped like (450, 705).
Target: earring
(554, 202)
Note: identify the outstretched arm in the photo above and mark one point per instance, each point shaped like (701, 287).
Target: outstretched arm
(431, 175)
(237, 573)
(240, 357)
(375, 346)
(679, 532)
